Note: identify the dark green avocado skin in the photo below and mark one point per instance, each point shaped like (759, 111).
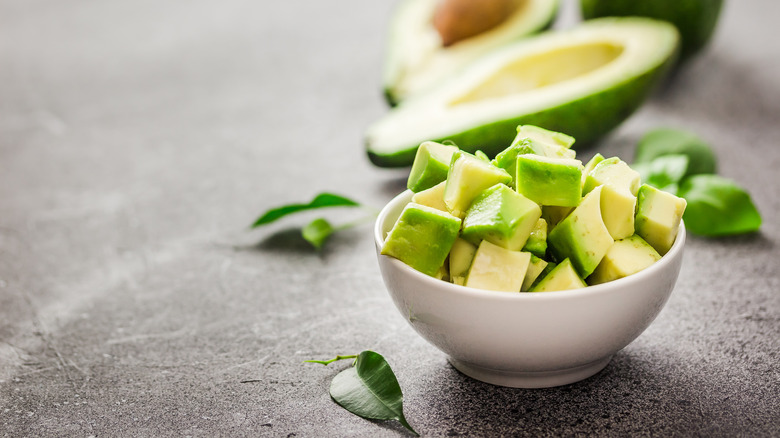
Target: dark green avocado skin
(586, 119)
(695, 19)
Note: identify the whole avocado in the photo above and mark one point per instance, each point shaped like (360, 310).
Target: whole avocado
(695, 19)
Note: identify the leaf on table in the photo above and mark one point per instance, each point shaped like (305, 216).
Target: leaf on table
(664, 172)
(317, 232)
(370, 389)
(717, 207)
(322, 200)
(667, 141)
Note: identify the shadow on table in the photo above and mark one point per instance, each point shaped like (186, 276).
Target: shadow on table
(630, 396)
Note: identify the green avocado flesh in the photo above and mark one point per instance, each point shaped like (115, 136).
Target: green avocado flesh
(583, 81)
(417, 59)
(562, 277)
(422, 237)
(501, 216)
(556, 225)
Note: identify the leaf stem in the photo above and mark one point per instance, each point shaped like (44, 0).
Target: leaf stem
(337, 358)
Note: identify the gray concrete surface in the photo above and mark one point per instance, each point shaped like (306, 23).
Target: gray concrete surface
(139, 139)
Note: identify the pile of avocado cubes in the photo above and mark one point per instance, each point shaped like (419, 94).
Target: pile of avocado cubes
(533, 219)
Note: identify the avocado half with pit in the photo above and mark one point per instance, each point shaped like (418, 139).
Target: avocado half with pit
(417, 58)
(583, 81)
(695, 19)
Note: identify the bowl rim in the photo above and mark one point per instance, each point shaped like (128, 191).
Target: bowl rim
(622, 283)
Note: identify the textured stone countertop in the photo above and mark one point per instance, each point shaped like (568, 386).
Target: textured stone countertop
(139, 139)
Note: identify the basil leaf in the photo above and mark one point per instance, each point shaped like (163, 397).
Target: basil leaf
(320, 201)
(370, 390)
(317, 232)
(664, 172)
(666, 141)
(717, 207)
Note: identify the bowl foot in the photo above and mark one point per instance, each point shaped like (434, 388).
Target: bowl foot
(538, 379)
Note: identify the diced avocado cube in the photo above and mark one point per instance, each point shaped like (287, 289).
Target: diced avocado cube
(497, 268)
(658, 215)
(507, 159)
(549, 181)
(547, 269)
(422, 237)
(598, 158)
(502, 217)
(625, 257)
(562, 277)
(550, 150)
(468, 176)
(582, 236)
(535, 269)
(432, 197)
(617, 211)
(461, 256)
(614, 172)
(430, 166)
(553, 215)
(545, 136)
(537, 241)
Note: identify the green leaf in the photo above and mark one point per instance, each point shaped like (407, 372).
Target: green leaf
(317, 232)
(664, 172)
(320, 201)
(666, 141)
(370, 390)
(717, 207)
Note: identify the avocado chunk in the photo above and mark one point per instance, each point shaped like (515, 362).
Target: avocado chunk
(549, 181)
(618, 199)
(430, 167)
(545, 136)
(598, 158)
(535, 268)
(468, 176)
(534, 140)
(614, 172)
(507, 159)
(497, 268)
(562, 277)
(658, 215)
(502, 217)
(695, 19)
(461, 256)
(433, 197)
(582, 236)
(422, 237)
(617, 211)
(417, 58)
(625, 257)
(583, 81)
(537, 241)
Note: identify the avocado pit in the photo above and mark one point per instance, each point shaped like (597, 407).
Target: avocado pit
(456, 20)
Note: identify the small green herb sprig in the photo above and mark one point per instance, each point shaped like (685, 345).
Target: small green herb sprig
(368, 388)
(683, 164)
(318, 230)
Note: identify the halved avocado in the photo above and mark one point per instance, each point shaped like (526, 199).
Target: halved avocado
(417, 58)
(695, 19)
(583, 81)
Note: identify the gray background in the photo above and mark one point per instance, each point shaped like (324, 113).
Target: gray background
(139, 139)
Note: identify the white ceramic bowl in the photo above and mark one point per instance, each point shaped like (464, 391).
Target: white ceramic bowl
(526, 340)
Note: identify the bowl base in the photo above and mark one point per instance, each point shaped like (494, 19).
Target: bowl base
(538, 379)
